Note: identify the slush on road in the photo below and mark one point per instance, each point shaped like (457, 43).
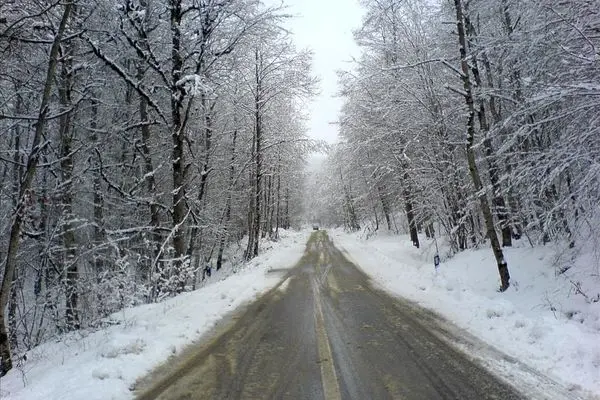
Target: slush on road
(325, 333)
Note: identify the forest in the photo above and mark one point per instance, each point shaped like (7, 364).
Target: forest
(474, 122)
(144, 143)
(140, 140)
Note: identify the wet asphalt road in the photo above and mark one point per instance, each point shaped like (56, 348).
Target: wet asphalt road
(325, 333)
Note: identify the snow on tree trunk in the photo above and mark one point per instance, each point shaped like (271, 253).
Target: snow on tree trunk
(471, 157)
(24, 190)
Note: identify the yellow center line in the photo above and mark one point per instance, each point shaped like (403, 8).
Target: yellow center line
(331, 388)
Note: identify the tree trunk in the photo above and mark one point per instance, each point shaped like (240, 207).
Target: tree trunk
(286, 219)
(497, 199)
(278, 201)
(268, 187)
(258, 182)
(177, 135)
(351, 217)
(410, 214)
(254, 236)
(271, 207)
(66, 166)
(251, 207)
(227, 216)
(485, 208)
(149, 173)
(16, 179)
(23, 196)
(98, 213)
(412, 226)
(429, 230)
(204, 171)
(384, 206)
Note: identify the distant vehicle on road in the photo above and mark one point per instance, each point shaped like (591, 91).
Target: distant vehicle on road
(315, 227)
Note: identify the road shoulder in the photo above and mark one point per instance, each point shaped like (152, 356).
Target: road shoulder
(450, 312)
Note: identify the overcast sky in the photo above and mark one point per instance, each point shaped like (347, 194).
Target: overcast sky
(325, 26)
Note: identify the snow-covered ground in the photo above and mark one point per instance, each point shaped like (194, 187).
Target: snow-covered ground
(104, 364)
(543, 320)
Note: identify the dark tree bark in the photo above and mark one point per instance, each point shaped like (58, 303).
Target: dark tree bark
(385, 206)
(146, 146)
(351, 219)
(498, 199)
(286, 214)
(410, 213)
(16, 179)
(255, 209)
(24, 191)
(205, 168)
(473, 169)
(429, 230)
(278, 200)
(177, 133)
(257, 182)
(412, 225)
(227, 213)
(95, 162)
(67, 132)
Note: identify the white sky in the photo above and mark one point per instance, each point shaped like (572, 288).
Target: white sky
(325, 26)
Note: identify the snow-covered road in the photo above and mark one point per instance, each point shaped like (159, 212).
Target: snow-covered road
(538, 335)
(328, 335)
(545, 329)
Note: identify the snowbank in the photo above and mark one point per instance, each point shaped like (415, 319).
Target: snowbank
(104, 364)
(542, 320)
